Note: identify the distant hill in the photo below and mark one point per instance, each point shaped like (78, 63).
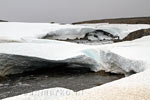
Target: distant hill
(3, 21)
(134, 20)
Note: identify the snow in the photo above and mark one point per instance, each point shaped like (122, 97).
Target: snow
(111, 57)
(51, 51)
(16, 31)
(134, 87)
(121, 30)
(120, 58)
(46, 94)
(46, 49)
(124, 57)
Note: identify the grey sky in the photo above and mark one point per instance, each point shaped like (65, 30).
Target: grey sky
(71, 10)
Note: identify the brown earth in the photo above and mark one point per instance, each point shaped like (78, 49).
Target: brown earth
(137, 34)
(135, 20)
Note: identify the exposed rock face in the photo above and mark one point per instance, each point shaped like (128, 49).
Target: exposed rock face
(136, 20)
(137, 34)
(95, 37)
(14, 64)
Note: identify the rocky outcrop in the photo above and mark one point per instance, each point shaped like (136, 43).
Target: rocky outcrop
(137, 34)
(95, 37)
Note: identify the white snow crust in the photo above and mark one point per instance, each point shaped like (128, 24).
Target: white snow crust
(123, 57)
(16, 31)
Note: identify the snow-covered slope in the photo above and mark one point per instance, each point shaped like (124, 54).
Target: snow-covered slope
(15, 31)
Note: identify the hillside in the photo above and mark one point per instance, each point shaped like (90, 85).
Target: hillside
(134, 20)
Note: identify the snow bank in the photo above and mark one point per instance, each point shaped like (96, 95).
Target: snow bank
(123, 57)
(15, 31)
(46, 49)
(110, 58)
(134, 87)
(121, 30)
(119, 57)
(46, 94)
(14, 55)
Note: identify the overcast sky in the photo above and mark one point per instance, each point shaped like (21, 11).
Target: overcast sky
(67, 11)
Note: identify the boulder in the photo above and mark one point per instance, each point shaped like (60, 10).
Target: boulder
(137, 34)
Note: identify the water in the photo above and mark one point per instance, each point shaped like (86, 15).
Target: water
(71, 78)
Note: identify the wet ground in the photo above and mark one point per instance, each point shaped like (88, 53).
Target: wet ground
(71, 78)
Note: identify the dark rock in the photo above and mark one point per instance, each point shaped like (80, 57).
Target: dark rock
(14, 64)
(137, 34)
